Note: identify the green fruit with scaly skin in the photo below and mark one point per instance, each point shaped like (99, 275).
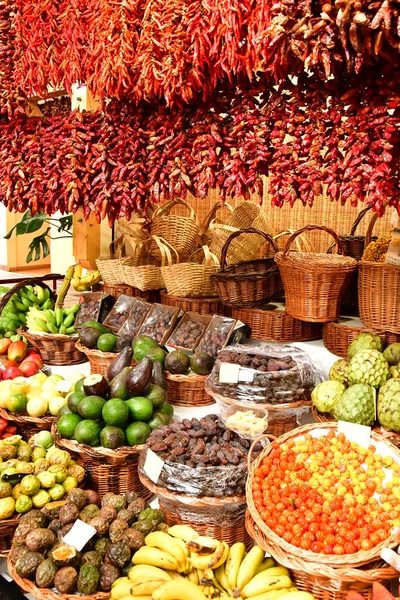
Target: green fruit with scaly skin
(389, 405)
(338, 371)
(368, 367)
(326, 394)
(357, 405)
(364, 341)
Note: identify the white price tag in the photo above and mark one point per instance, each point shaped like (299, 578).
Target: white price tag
(246, 375)
(153, 465)
(361, 434)
(228, 373)
(79, 535)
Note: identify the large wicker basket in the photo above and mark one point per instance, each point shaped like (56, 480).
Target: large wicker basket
(110, 266)
(202, 306)
(192, 278)
(55, 349)
(324, 581)
(188, 390)
(209, 516)
(107, 470)
(29, 587)
(127, 290)
(27, 425)
(181, 232)
(314, 283)
(249, 283)
(362, 557)
(338, 336)
(7, 530)
(99, 361)
(270, 324)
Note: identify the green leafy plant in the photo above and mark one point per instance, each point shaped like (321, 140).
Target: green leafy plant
(39, 247)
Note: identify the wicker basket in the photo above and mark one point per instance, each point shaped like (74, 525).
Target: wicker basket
(127, 290)
(249, 283)
(269, 324)
(29, 587)
(202, 306)
(110, 267)
(107, 470)
(192, 279)
(55, 349)
(188, 390)
(314, 283)
(206, 237)
(99, 361)
(282, 418)
(359, 558)
(27, 425)
(143, 270)
(18, 286)
(181, 232)
(7, 530)
(338, 336)
(322, 580)
(203, 514)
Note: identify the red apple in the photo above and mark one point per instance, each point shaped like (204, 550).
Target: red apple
(9, 364)
(28, 368)
(11, 373)
(3, 360)
(34, 357)
(17, 351)
(4, 345)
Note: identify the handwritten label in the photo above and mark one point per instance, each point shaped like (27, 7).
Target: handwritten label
(228, 373)
(79, 535)
(153, 465)
(361, 434)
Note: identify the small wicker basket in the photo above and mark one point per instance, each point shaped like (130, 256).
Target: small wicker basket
(181, 232)
(206, 237)
(27, 425)
(143, 270)
(192, 278)
(338, 336)
(204, 514)
(188, 390)
(99, 361)
(110, 266)
(7, 530)
(201, 306)
(314, 283)
(107, 470)
(55, 349)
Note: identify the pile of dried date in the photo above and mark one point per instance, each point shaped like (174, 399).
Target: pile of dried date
(258, 362)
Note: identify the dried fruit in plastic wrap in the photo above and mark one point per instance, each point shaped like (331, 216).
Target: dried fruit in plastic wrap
(159, 322)
(217, 335)
(138, 312)
(119, 312)
(227, 515)
(90, 306)
(189, 331)
(247, 422)
(268, 374)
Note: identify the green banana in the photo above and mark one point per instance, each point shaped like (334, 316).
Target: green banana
(69, 319)
(39, 293)
(63, 329)
(70, 330)
(22, 318)
(46, 294)
(28, 288)
(35, 312)
(71, 310)
(59, 316)
(50, 316)
(23, 294)
(47, 304)
(19, 306)
(26, 302)
(41, 325)
(34, 299)
(52, 327)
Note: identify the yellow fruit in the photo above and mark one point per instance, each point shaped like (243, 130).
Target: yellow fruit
(7, 507)
(55, 404)
(37, 407)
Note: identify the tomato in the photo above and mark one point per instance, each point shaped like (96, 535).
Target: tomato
(366, 544)
(349, 548)
(327, 549)
(338, 549)
(316, 547)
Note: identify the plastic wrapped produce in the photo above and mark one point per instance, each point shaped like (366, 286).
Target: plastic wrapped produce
(138, 312)
(119, 313)
(188, 332)
(268, 374)
(159, 322)
(217, 335)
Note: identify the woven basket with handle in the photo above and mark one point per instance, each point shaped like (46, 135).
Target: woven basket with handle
(206, 237)
(110, 266)
(337, 337)
(192, 279)
(314, 283)
(249, 283)
(379, 292)
(143, 270)
(181, 232)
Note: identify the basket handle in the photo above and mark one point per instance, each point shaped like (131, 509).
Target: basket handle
(206, 223)
(19, 286)
(311, 228)
(209, 258)
(165, 249)
(266, 436)
(359, 217)
(368, 235)
(239, 232)
(117, 247)
(165, 209)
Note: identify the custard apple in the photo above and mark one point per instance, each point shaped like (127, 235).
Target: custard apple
(395, 371)
(389, 405)
(325, 395)
(357, 405)
(338, 371)
(392, 354)
(369, 367)
(364, 341)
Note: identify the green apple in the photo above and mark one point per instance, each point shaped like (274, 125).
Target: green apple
(38, 379)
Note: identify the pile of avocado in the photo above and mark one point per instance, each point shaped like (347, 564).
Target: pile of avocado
(94, 335)
(179, 363)
(121, 522)
(123, 409)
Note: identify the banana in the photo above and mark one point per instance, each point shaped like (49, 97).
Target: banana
(25, 301)
(299, 595)
(62, 330)
(40, 295)
(272, 595)
(33, 297)
(74, 271)
(203, 545)
(267, 563)
(165, 542)
(199, 561)
(293, 589)
(222, 578)
(234, 560)
(59, 316)
(147, 587)
(121, 589)
(139, 573)
(46, 293)
(47, 303)
(156, 558)
(219, 557)
(184, 532)
(49, 314)
(52, 328)
(249, 566)
(70, 330)
(75, 282)
(40, 325)
(264, 583)
(69, 320)
(20, 306)
(178, 590)
(174, 575)
(193, 576)
(71, 310)
(277, 571)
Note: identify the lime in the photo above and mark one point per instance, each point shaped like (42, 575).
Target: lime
(112, 437)
(107, 342)
(16, 403)
(30, 485)
(74, 399)
(57, 492)
(157, 395)
(137, 433)
(66, 425)
(88, 432)
(157, 355)
(70, 483)
(79, 386)
(38, 452)
(91, 407)
(140, 408)
(64, 410)
(44, 439)
(23, 504)
(115, 412)
(141, 346)
(168, 409)
(159, 418)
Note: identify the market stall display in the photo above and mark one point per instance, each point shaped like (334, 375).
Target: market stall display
(200, 305)
(192, 278)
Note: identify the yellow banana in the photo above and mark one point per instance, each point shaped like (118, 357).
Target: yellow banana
(199, 561)
(146, 588)
(156, 558)
(193, 576)
(233, 562)
(299, 595)
(77, 271)
(292, 589)
(139, 573)
(121, 590)
(264, 583)
(267, 563)
(203, 545)
(249, 566)
(179, 590)
(219, 557)
(184, 532)
(272, 595)
(136, 598)
(175, 575)
(271, 572)
(222, 578)
(165, 542)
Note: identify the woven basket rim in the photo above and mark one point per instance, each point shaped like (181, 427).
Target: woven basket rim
(269, 407)
(94, 452)
(57, 337)
(359, 558)
(317, 259)
(191, 378)
(196, 501)
(210, 299)
(370, 263)
(22, 418)
(94, 352)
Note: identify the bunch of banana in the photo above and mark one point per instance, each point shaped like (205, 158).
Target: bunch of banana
(83, 283)
(57, 320)
(182, 565)
(14, 314)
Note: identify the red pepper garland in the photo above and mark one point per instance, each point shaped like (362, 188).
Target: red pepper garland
(11, 99)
